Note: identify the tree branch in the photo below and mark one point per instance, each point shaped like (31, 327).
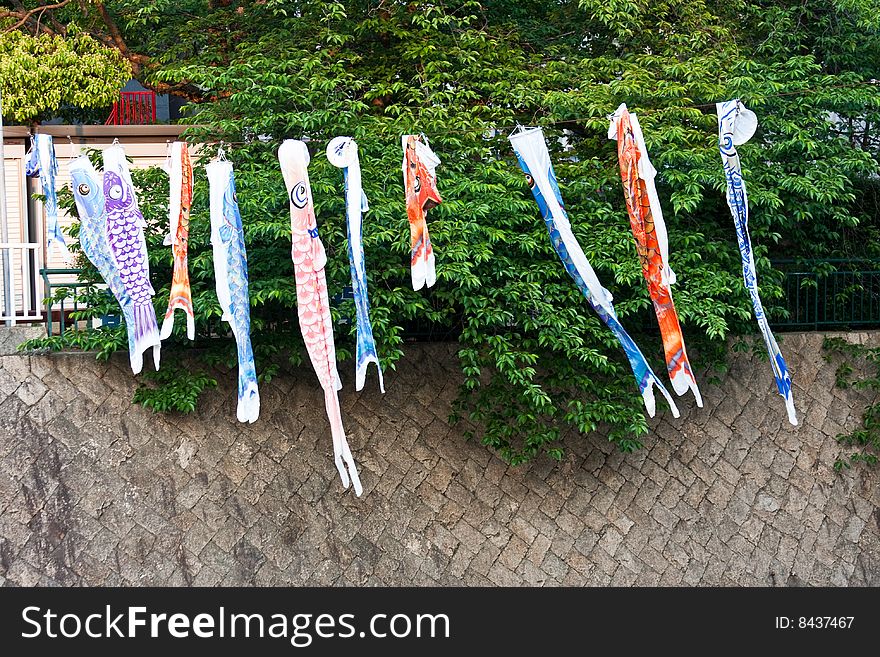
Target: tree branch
(25, 15)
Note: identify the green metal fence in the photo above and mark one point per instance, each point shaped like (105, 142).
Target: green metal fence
(818, 295)
(61, 300)
(822, 294)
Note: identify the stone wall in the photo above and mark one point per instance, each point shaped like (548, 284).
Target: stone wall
(96, 491)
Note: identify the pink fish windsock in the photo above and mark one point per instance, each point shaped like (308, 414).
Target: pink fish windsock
(313, 304)
(128, 246)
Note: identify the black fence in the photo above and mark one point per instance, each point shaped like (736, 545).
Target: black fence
(833, 293)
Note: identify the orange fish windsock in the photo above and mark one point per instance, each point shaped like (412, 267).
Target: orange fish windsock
(180, 172)
(420, 183)
(652, 243)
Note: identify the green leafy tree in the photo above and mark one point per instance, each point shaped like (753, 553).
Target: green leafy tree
(536, 361)
(40, 75)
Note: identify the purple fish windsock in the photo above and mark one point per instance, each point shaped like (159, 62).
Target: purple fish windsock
(41, 162)
(534, 159)
(88, 192)
(736, 125)
(313, 304)
(231, 274)
(343, 153)
(128, 246)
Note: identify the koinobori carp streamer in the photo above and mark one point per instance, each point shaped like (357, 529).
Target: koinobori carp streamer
(652, 243)
(231, 274)
(312, 299)
(125, 235)
(736, 125)
(88, 192)
(180, 172)
(342, 152)
(534, 159)
(420, 185)
(41, 162)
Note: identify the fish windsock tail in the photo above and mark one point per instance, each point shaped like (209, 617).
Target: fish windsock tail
(248, 399)
(648, 397)
(789, 407)
(430, 268)
(55, 236)
(361, 372)
(418, 263)
(341, 453)
(677, 364)
(683, 380)
(146, 335)
(168, 321)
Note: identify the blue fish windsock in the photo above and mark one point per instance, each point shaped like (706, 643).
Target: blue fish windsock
(343, 153)
(736, 125)
(231, 274)
(534, 159)
(41, 162)
(88, 192)
(128, 246)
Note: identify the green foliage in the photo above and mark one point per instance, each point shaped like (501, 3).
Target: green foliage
(865, 440)
(104, 341)
(536, 361)
(44, 74)
(174, 388)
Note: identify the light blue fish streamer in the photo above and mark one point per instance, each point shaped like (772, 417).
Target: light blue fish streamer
(342, 152)
(736, 125)
(531, 151)
(231, 274)
(41, 162)
(88, 192)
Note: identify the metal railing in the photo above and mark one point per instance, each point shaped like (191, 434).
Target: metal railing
(134, 108)
(820, 294)
(817, 295)
(57, 295)
(20, 271)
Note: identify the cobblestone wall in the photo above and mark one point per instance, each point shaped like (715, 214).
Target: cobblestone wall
(96, 491)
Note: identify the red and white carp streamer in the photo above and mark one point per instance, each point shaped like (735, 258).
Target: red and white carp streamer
(180, 172)
(652, 243)
(420, 183)
(312, 300)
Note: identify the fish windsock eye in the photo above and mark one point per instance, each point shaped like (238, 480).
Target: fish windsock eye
(298, 195)
(115, 192)
(530, 181)
(84, 189)
(412, 165)
(418, 184)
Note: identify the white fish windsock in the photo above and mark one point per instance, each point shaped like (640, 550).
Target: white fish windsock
(88, 192)
(230, 272)
(313, 303)
(534, 159)
(128, 246)
(180, 172)
(736, 125)
(41, 162)
(342, 152)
